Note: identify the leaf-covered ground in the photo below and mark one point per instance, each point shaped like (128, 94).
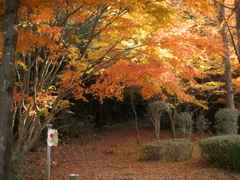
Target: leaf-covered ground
(113, 155)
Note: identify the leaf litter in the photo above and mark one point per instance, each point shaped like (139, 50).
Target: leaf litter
(113, 155)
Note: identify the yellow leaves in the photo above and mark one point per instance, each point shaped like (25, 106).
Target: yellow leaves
(159, 11)
(74, 39)
(200, 103)
(209, 66)
(63, 104)
(215, 84)
(43, 112)
(204, 6)
(73, 53)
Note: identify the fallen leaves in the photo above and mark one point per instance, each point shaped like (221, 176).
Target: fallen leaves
(113, 154)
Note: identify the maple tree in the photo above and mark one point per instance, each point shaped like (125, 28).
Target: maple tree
(62, 45)
(226, 18)
(211, 87)
(168, 70)
(226, 57)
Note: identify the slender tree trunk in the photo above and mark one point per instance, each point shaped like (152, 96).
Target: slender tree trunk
(226, 57)
(157, 125)
(99, 119)
(136, 118)
(172, 117)
(7, 86)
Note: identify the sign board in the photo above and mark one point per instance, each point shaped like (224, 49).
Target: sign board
(52, 139)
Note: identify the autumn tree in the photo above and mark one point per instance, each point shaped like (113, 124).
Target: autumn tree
(62, 45)
(168, 69)
(226, 17)
(226, 57)
(9, 43)
(210, 86)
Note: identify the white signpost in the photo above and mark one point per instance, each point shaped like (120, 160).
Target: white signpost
(52, 140)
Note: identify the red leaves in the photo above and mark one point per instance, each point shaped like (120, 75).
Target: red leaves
(152, 79)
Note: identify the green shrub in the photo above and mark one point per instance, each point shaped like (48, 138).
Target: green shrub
(176, 149)
(227, 120)
(169, 150)
(150, 152)
(223, 150)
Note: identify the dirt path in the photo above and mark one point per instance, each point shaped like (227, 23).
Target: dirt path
(113, 155)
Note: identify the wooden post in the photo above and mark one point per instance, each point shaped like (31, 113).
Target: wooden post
(49, 126)
(74, 177)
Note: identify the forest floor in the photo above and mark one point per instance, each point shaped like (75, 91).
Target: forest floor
(113, 154)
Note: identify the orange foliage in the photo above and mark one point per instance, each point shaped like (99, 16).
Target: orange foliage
(152, 78)
(156, 49)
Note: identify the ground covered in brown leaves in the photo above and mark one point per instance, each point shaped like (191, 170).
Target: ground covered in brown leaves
(113, 155)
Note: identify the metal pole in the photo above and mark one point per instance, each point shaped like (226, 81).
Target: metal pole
(49, 126)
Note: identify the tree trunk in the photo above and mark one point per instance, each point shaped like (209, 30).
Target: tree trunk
(172, 117)
(226, 58)
(99, 119)
(157, 126)
(7, 86)
(136, 118)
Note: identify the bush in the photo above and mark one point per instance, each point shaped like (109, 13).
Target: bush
(150, 152)
(223, 150)
(169, 150)
(227, 120)
(176, 149)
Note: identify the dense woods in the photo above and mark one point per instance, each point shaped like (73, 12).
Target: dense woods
(95, 63)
